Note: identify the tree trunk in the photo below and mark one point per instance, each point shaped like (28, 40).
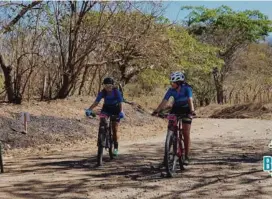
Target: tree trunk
(207, 101)
(8, 80)
(219, 91)
(92, 81)
(44, 88)
(218, 81)
(220, 95)
(64, 90)
(83, 80)
(201, 102)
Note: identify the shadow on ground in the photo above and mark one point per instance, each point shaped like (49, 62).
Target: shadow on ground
(226, 167)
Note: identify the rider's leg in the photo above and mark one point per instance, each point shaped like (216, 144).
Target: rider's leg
(186, 126)
(115, 133)
(186, 132)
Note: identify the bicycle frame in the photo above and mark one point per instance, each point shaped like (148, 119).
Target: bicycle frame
(106, 117)
(105, 139)
(174, 144)
(108, 126)
(175, 125)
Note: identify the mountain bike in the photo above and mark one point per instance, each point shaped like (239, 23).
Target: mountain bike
(174, 144)
(174, 152)
(105, 136)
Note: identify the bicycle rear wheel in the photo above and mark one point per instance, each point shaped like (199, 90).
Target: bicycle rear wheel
(182, 158)
(171, 157)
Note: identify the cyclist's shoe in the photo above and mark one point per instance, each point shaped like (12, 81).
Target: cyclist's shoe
(187, 160)
(115, 152)
(154, 113)
(162, 164)
(98, 166)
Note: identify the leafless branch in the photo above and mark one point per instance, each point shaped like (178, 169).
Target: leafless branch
(7, 28)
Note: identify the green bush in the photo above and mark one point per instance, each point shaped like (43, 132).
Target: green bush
(150, 79)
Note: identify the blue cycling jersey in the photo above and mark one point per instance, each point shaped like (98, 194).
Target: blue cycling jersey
(111, 98)
(180, 95)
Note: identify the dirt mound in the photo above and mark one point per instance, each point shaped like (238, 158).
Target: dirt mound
(260, 111)
(57, 122)
(62, 122)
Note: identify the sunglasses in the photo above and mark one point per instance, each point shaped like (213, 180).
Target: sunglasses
(108, 85)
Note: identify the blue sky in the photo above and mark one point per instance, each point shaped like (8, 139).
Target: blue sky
(173, 10)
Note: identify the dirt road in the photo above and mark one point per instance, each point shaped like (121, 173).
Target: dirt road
(226, 163)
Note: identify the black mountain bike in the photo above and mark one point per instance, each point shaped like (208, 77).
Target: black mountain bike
(105, 137)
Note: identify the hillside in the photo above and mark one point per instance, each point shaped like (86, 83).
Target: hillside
(61, 122)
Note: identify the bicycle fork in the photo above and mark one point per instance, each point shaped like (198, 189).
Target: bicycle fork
(180, 144)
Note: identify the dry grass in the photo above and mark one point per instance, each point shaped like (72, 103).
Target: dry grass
(58, 122)
(148, 100)
(249, 110)
(241, 110)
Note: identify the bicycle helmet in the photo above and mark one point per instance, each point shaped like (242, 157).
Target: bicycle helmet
(177, 76)
(108, 80)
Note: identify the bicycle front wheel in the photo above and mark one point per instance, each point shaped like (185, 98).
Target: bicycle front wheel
(100, 156)
(171, 157)
(101, 144)
(110, 140)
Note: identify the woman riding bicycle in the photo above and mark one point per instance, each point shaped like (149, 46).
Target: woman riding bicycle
(183, 105)
(112, 106)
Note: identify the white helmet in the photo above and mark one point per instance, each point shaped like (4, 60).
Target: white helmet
(177, 76)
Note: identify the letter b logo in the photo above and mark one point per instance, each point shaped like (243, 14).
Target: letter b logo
(267, 163)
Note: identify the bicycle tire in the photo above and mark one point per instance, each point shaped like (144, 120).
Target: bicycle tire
(110, 143)
(101, 144)
(182, 158)
(100, 155)
(1, 160)
(170, 162)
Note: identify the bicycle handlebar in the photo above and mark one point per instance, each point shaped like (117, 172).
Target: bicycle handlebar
(165, 115)
(101, 115)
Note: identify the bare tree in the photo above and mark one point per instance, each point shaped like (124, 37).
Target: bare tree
(7, 69)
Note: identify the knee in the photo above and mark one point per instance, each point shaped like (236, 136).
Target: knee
(186, 128)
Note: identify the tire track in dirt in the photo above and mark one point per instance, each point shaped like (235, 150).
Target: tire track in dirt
(226, 163)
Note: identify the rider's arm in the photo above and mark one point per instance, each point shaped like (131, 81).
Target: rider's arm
(97, 100)
(191, 104)
(93, 105)
(161, 105)
(121, 107)
(164, 101)
(120, 99)
(190, 99)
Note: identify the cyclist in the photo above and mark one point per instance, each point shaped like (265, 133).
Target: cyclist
(112, 106)
(183, 104)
